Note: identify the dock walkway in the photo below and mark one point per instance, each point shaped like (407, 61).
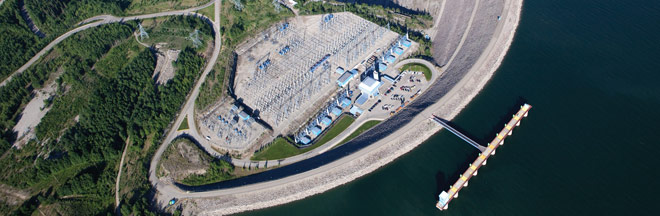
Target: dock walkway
(445, 197)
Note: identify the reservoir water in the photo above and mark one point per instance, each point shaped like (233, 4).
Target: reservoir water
(591, 69)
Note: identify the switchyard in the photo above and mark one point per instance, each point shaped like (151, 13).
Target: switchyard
(300, 75)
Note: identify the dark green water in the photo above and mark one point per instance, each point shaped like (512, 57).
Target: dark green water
(591, 69)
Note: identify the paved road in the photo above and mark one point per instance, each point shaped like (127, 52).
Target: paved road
(100, 20)
(121, 162)
(206, 145)
(169, 190)
(188, 110)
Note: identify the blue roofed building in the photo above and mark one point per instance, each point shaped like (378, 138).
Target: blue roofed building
(305, 140)
(244, 115)
(382, 67)
(345, 78)
(362, 99)
(336, 111)
(405, 43)
(326, 121)
(316, 130)
(345, 102)
(398, 50)
(340, 70)
(390, 59)
(356, 111)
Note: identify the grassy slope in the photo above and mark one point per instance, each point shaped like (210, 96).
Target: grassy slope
(364, 127)
(280, 148)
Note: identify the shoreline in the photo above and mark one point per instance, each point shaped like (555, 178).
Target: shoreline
(384, 151)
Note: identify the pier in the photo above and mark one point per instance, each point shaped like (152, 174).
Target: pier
(445, 197)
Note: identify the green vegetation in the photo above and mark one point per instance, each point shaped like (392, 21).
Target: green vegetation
(17, 44)
(418, 67)
(106, 81)
(174, 32)
(282, 148)
(335, 130)
(236, 26)
(219, 170)
(184, 124)
(208, 12)
(154, 6)
(400, 19)
(72, 58)
(55, 17)
(364, 127)
(278, 149)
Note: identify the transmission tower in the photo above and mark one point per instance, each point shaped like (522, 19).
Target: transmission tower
(237, 4)
(194, 37)
(143, 33)
(276, 3)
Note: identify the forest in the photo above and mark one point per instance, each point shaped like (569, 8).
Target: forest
(17, 44)
(105, 95)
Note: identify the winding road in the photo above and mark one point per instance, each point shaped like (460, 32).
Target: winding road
(167, 190)
(206, 145)
(101, 20)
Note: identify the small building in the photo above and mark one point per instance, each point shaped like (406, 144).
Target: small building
(234, 108)
(244, 115)
(305, 140)
(345, 102)
(398, 50)
(340, 70)
(361, 99)
(336, 111)
(382, 67)
(390, 59)
(405, 43)
(356, 111)
(370, 86)
(345, 78)
(326, 121)
(316, 130)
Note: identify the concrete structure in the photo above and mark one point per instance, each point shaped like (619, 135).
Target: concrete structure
(370, 86)
(445, 197)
